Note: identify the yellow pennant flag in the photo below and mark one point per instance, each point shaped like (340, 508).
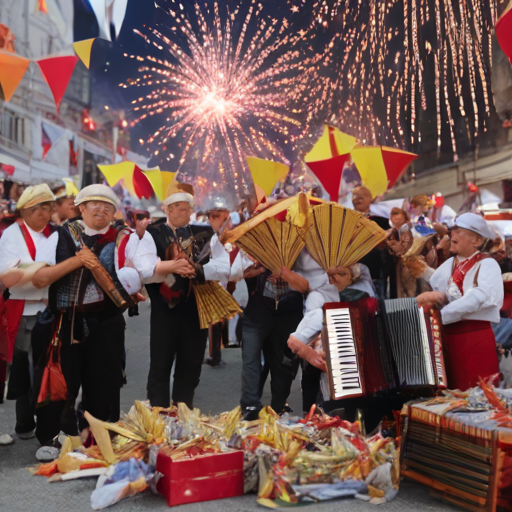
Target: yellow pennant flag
(83, 49)
(371, 168)
(160, 181)
(266, 173)
(117, 172)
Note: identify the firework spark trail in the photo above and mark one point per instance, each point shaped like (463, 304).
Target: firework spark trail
(445, 43)
(220, 93)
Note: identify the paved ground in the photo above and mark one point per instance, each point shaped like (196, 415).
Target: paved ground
(218, 391)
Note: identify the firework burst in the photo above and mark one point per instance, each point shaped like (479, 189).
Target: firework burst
(226, 80)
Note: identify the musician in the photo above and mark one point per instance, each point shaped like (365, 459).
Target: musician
(177, 254)
(468, 289)
(93, 326)
(24, 246)
(64, 206)
(340, 285)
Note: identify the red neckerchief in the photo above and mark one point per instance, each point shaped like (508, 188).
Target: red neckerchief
(47, 231)
(461, 269)
(108, 237)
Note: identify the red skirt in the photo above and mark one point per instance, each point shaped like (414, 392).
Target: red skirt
(469, 350)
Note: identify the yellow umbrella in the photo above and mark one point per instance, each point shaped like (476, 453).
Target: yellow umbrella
(266, 173)
(332, 143)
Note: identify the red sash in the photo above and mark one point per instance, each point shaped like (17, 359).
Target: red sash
(121, 250)
(460, 270)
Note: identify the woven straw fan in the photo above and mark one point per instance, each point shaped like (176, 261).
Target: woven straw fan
(272, 243)
(339, 237)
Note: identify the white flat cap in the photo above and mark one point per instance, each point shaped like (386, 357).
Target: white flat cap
(130, 280)
(179, 197)
(32, 196)
(475, 223)
(97, 193)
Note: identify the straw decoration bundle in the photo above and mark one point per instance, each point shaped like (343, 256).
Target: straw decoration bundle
(339, 237)
(273, 243)
(214, 303)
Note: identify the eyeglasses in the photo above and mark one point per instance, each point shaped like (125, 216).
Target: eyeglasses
(100, 205)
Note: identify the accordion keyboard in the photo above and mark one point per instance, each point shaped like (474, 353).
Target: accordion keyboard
(346, 374)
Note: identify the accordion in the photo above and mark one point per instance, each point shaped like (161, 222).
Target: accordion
(373, 346)
(464, 457)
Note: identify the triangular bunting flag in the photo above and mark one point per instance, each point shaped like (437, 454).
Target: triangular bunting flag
(12, 69)
(266, 173)
(329, 173)
(332, 143)
(83, 49)
(57, 72)
(160, 180)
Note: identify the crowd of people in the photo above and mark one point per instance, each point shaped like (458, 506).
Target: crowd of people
(71, 266)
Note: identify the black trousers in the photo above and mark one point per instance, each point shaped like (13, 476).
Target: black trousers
(95, 365)
(267, 329)
(175, 335)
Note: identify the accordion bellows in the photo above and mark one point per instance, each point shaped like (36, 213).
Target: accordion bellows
(214, 303)
(339, 237)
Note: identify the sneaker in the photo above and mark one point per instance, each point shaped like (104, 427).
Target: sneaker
(251, 413)
(27, 435)
(6, 439)
(47, 454)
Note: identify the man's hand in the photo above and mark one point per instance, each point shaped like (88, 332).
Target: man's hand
(431, 299)
(254, 271)
(87, 258)
(297, 282)
(306, 352)
(183, 268)
(140, 227)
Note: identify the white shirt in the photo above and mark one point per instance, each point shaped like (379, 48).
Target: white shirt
(482, 302)
(311, 325)
(14, 252)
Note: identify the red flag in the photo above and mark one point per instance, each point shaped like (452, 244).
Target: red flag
(329, 173)
(57, 72)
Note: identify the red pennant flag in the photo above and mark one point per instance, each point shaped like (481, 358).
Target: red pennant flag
(329, 173)
(141, 184)
(396, 163)
(57, 72)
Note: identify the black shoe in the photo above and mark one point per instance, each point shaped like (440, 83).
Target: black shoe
(287, 409)
(213, 362)
(251, 413)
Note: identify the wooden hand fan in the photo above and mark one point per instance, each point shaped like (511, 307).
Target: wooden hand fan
(339, 237)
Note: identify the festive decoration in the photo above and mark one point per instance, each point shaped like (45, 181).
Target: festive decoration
(380, 167)
(41, 6)
(83, 49)
(160, 181)
(57, 72)
(12, 69)
(266, 174)
(504, 31)
(332, 143)
(136, 182)
(228, 80)
(329, 174)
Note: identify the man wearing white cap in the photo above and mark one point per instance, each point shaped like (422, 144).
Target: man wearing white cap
(178, 255)
(93, 326)
(24, 247)
(468, 289)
